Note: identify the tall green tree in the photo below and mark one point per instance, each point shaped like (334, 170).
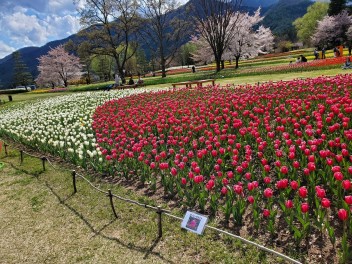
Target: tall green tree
(83, 51)
(336, 7)
(21, 74)
(103, 66)
(306, 25)
(185, 54)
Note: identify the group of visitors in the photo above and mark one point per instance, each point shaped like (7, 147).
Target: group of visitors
(316, 53)
(130, 81)
(118, 82)
(300, 59)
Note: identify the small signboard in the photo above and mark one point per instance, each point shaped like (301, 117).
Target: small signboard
(194, 222)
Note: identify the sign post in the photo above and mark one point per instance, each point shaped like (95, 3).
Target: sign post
(194, 222)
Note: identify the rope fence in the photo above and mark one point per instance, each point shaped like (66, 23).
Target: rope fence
(157, 209)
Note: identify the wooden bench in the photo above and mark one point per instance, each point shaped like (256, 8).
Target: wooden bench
(188, 84)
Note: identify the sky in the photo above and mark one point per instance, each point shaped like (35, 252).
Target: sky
(25, 23)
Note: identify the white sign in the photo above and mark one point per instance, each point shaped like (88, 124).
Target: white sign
(194, 222)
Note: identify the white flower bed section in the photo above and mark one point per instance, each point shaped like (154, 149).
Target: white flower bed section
(60, 125)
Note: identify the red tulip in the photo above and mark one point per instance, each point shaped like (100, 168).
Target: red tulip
(342, 214)
(238, 188)
(348, 199)
(284, 170)
(303, 192)
(224, 190)
(267, 180)
(289, 204)
(320, 192)
(250, 199)
(266, 213)
(268, 192)
(173, 171)
(304, 207)
(346, 184)
(294, 185)
(325, 203)
(338, 176)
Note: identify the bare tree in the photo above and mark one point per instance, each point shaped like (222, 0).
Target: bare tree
(110, 27)
(163, 28)
(246, 43)
(216, 21)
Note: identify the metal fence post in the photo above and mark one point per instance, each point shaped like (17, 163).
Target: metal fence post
(21, 155)
(112, 203)
(160, 228)
(43, 162)
(74, 181)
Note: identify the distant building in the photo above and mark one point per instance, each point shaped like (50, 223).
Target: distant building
(297, 45)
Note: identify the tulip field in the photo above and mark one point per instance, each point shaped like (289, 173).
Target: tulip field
(279, 153)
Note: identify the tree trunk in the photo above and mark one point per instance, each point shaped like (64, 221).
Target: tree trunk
(237, 59)
(163, 64)
(122, 75)
(218, 65)
(222, 64)
(163, 71)
(65, 83)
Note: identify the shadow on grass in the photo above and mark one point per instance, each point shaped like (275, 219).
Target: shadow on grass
(131, 246)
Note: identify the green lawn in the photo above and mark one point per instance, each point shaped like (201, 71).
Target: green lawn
(42, 221)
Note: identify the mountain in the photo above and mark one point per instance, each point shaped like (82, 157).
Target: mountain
(30, 57)
(279, 15)
(257, 3)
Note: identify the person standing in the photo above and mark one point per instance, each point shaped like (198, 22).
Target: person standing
(117, 80)
(336, 52)
(323, 53)
(193, 69)
(316, 54)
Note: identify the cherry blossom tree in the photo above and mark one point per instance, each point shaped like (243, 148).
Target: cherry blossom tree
(58, 66)
(247, 42)
(332, 30)
(203, 52)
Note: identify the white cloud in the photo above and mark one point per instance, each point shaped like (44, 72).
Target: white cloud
(62, 26)
(24, 29)
(5, 49)
(36, 22)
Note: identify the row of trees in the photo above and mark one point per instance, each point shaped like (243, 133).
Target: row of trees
(325, 25)
(117, 30)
